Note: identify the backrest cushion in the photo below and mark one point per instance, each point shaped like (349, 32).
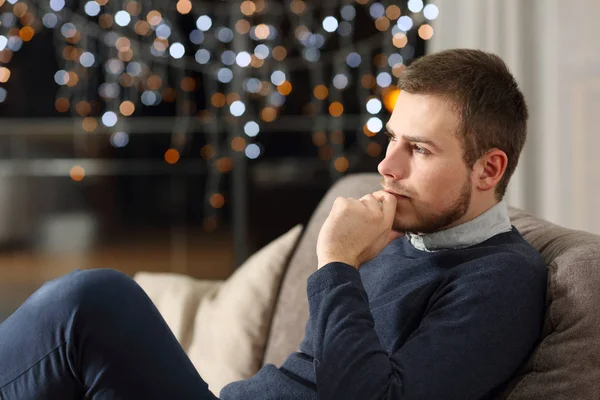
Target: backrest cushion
(232, 322)
(566, 363)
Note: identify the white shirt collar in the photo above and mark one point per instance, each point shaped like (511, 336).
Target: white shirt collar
(492, 222)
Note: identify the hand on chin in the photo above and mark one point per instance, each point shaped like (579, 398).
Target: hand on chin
(356, 230)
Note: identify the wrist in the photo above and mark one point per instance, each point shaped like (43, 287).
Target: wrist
(328, 260)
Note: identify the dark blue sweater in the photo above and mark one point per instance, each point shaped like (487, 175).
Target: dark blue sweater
(453, 324)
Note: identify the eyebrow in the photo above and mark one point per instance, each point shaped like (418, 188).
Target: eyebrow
(415, 138)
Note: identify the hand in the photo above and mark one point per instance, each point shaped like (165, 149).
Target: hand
(357, 230)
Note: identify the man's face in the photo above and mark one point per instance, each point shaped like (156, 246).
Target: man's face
(424, 166)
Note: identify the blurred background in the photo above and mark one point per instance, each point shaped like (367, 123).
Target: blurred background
(183, 135)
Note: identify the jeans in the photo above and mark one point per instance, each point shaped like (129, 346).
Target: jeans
(93, 334)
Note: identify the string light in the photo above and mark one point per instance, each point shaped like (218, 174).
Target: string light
(134, 41)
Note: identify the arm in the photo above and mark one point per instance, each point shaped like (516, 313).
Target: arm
(469, 341)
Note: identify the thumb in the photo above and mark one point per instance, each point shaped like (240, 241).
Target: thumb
(393, 235)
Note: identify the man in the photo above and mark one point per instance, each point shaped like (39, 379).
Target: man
(424, 290)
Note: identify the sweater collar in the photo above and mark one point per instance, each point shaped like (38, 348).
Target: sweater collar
(478, 230)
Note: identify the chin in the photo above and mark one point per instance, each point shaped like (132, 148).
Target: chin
(403, 222)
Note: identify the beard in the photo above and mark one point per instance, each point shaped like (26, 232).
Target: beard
(432, 221)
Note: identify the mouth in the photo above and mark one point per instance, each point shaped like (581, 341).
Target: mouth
(398, 196)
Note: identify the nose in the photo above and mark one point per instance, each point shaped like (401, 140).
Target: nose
(394, 166)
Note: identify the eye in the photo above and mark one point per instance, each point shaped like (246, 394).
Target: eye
(391, 136)
(418, 149)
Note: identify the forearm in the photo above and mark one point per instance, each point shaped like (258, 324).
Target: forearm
(349, 360)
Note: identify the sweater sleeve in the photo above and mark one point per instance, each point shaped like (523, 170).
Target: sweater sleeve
(475, 333)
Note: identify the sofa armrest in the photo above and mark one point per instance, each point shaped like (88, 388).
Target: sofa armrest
(177, 298)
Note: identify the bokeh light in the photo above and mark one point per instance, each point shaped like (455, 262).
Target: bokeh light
(251, 128)
(89, 124)
(415, 6)
(122, 18)
(336, 109)
(77, 173)
(202, 56)
(330, 24)
(425, 31)
(353, 60)
(405, 23)
(268, 114)
(127, 108)
(177, 50)
(109, 118)
(92, 8)
(374, 124)
(348, 12)
(389, 98)
(238, 144)
(393, 12)
(119, 139)
(285, 88)
(321, 92)
(184, 6)
(340, 81)
(204, 23)
(252, 151)
(374, 106)
(237, 108)
(384, 79)
(4, 74)
(376, 10)
(431, 12)
(341, 164)
(217, 200)
(171, 156)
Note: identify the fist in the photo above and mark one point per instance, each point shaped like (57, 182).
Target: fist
(357, 230)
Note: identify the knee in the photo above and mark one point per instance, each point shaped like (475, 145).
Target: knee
(92, 290)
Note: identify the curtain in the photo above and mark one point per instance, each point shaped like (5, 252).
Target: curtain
(552, 48)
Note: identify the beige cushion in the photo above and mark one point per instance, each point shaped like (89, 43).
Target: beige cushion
(232, 323)
(177, 298)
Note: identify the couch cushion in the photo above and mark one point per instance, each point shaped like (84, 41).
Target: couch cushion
(291, 312)
(232, 322)
(177, 298)
(566, 363)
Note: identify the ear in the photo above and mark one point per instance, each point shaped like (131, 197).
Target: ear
(489, 169)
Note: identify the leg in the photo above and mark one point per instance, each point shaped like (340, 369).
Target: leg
(93, 334)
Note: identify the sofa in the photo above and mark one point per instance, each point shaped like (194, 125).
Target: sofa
(257, 316)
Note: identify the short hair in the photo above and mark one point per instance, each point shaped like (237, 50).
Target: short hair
(492, 110)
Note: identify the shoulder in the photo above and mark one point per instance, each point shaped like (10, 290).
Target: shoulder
(507, 271)
(506, 256)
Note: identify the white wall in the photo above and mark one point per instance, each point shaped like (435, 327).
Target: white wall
(553, 49)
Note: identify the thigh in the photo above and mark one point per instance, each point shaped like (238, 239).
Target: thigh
(33, 353)
(94, 334)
